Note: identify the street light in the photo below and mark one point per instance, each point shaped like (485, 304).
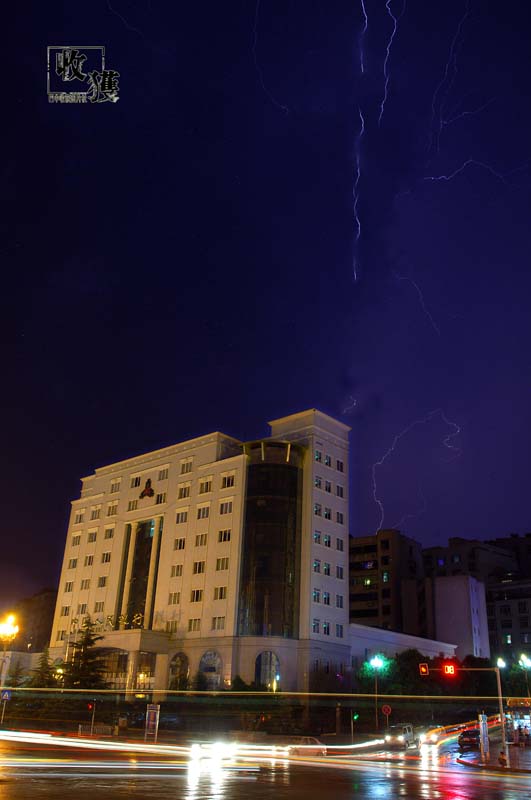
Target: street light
(377, 663)
(525, 663)
(8, 631)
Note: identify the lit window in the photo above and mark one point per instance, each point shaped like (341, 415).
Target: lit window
(196, 596)
(328, 513)
(203, 512)
(174, 598)
(328, 461)
(198, 567)
(179, 544)
(218, 623)
(316, 565)
(224, 536)
(220, 593)
(326, 568)
(205, 486)
(508, 638)
(326, 628)
(176, 570)
(163, 474)
(316, 596)
(318, 482)
(201, 540)
(317, 509)
(227, 481)
(326, 598)
(327, 540)
(222, 563)
(318, 456)
(385, 576)
(317, 537)
(315, 626)
(194, 624)
(182, 516)
(367, 581)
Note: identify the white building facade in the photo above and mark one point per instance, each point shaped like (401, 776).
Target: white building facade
(215, 558)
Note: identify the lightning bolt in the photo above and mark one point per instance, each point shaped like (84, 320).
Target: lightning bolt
(125, 22)
(416, 513)
(467, 113)
(388, 55)
(281, 107)
(447, 441)
(356, 194)
(421, 299)
(353, 404)
(502, 176)
(362, 35)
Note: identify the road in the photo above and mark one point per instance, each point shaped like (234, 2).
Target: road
(40, 769)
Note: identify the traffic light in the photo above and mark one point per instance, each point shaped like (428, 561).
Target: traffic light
(449, 668)
(424, 669)
(90, 706)
(355, 715)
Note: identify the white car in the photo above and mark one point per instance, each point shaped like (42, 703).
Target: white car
(307, 746)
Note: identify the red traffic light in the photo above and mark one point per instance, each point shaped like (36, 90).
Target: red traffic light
(90, 706)
(449, 669)
(424, 669)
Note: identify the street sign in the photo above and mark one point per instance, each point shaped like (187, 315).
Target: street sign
(152, 721)
(5, 694)
(386, 710)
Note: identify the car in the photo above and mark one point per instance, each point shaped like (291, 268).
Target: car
(307, 746)
(433, 734)
(402, 736)
(469, 738)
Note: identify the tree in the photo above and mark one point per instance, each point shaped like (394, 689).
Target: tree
(15, 676)
(44, 675)
(85, 669)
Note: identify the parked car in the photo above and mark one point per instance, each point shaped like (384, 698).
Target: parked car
(402, 736)
(469, 739)
(307, 746)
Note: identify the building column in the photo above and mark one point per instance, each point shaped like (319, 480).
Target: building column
(132, 669)
(151, 574)
(129, 569)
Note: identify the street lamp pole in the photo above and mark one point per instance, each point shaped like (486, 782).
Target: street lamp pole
(376, 663)
(502, 715)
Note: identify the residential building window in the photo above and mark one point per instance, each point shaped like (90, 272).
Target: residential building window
(109, 533)
(76, 540)
(198, 568)
(224, 536)
(326, 598)
(339, 517)
(105, 557)
(79, 517)
(339, 601)
(315, 626)
(135, 482)
(339, 466)
(385, 576)
(317, 537)
(339, 631)
(328, 513)
(318, 483)
(72, 564)
(222, 563)
(102, 581)
(508, 638)
(174, 598)
(69, 586)
(176, 570)
(203, 512)
(82, 608)
(328, 487)
(326, 568)
(316, 565)
(506, 623)
(172, 626)
(194, 624)
(384, 544)
(182, 516)
(318, 456)
(92, 536)
(85, 583)
(327, 540)
(328, 461)
(456, 558)
(316, 596)
(65, 611)
(179, 544)
(89, 561)
(523, 622)
(339, 491)
(218, 623)
(132, 505)
(95, 512)
(99, 606)
(220, 593)
(186, 466)
(183, 491)
(226, 507)
(115, 486)
(505, 611)
(112, 510)
(326, 628)
(201, 540)
(160, 498)
(61, 636)
(163, 474)
(340, 545)
(522, 607)
(196, 596)
(227, 481)
(317, 509)
(205, 486)
(339, 572)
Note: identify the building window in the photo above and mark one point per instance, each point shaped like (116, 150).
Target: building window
(318, 456)
(89, 561)
(224, 536)
(160, 498)
(339, 631)
(112, 510)
(135, 482)
(220, 593)
(317, 509)
(61, 636)
(327, 540)
(385, 576)
(339, 491)
(182, 516)
(317, 565)
(132, 505)
(315, 626)
(105, 557)
(222, 563)
(339, 572)
(72, 564)
(76, 540)
(328, 461)
(85, 583)
(69, 586)
(65, 611)
(79, 517)
(99, 605)
(205, 486)
(226, 507)
(186, 466)
(339, 466)
(326, 628)
(339, 601)
(316, 596)
(522, 607)
(328, 513)
(183, 492)
(163, 474)
(317, 537)
(326, 568)
(326, 598)
(102, 581)
(506, 623)
(318, 483)
(194, 624)
(328, 487)
(174, 598)
(95, 512)
(505, 611)
(179, 544)
(196, 596)
(82, 608)
(92, 536)
(198, 567)
(115, 486)
(218, 623)
(227, 481)
(176, 570)
(508, 638)
(109, 533)
(172, 626)
(441, 562)
(203, 512)
(201, 540)
(339, 517)
(340, 545)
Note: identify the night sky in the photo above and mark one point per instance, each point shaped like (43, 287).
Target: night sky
(188, 259)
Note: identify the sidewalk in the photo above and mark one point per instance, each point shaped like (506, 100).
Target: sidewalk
(519, 759)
